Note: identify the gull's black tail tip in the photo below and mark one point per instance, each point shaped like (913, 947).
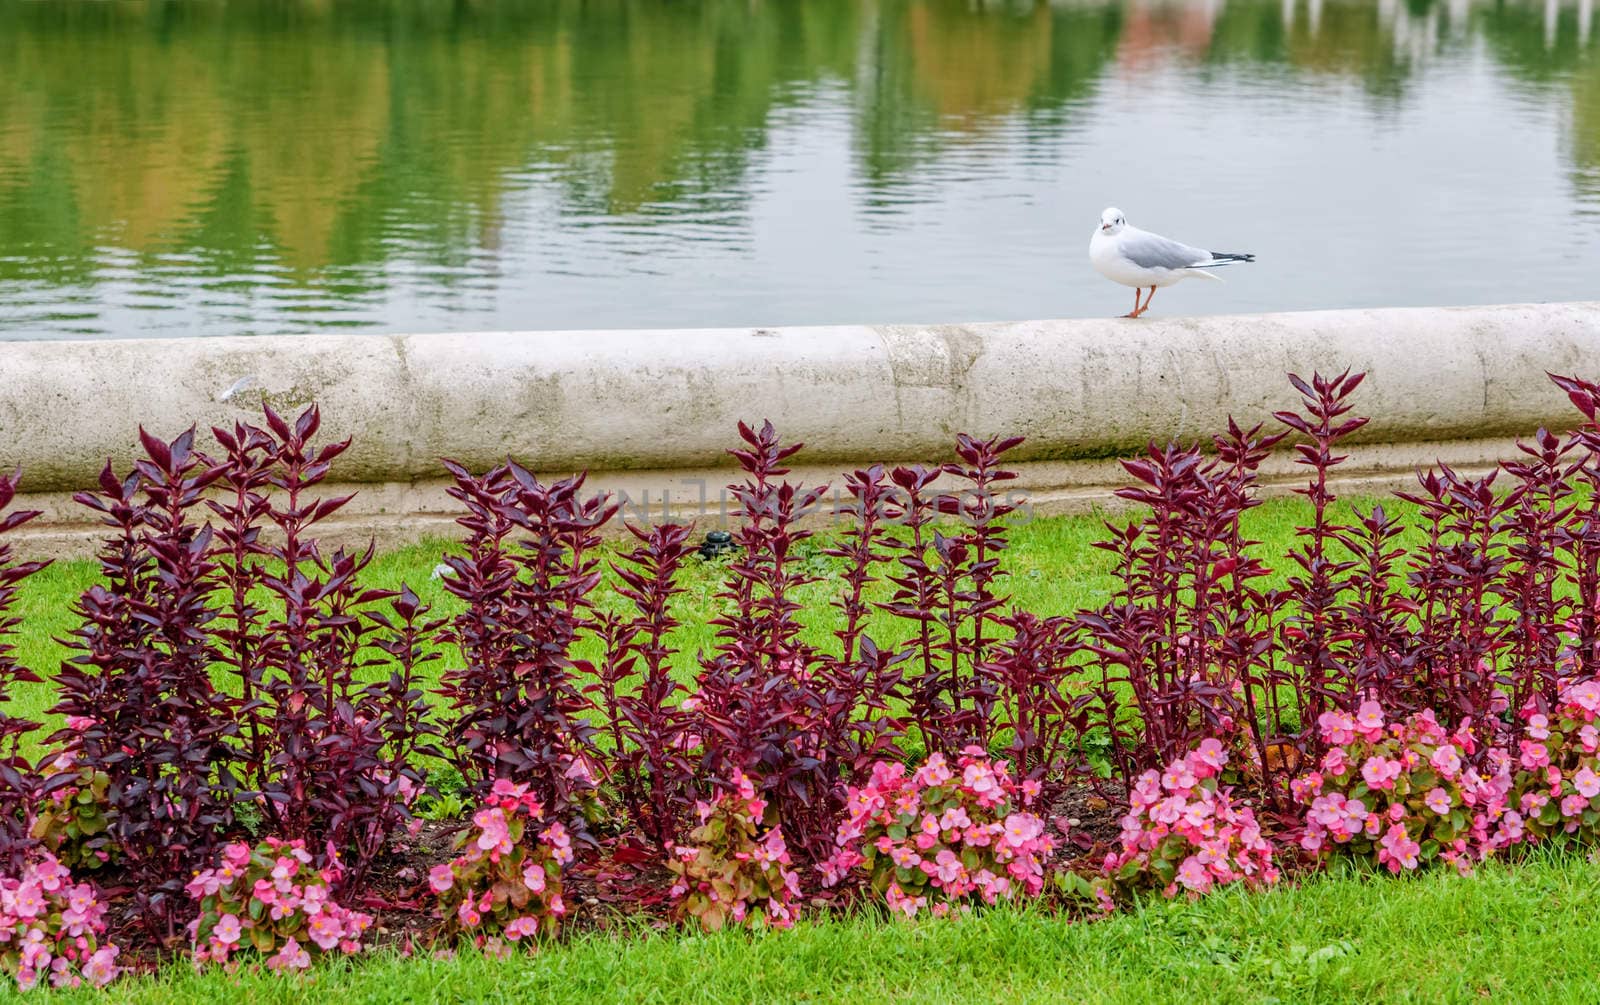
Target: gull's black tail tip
(1231, 256)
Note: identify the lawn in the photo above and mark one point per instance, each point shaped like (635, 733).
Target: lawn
(1526, 932)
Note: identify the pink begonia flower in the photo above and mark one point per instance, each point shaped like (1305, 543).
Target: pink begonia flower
(496, 837)
(226, 930)
(205, 884)
(1335, 761)
(468, 915)
(560, 842)
(1179, 777)
(954, 819)
(284, 869)
(1327, 810)
(1446, 761)
(995, 889)
(1020, 828)
(1030, 790)
(1212, 753)
(1380, 772)
(1169, 810)
(1589, 736)
(1337, 728)
(1406, 852)
(522, 926)
(325, 931)
(1369, 719)
(1586, 782)
(440, 878)
(1306, 787)
(505, 788)
(949, 867)
(1538, 726)
(1573, 805)
(899, 901)
(1193, 874)
(81, 898)
(1147, 791)
(1425, 725)
(980, 780)
(1398, 851)
(934, 773)
(1585, 695)
(101, 967)
(1438, 800)
(1198, 813)
(1534, 755)
(864, 802)
(237, 854)
(289, 957)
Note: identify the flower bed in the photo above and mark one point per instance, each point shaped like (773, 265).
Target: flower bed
(241, 704)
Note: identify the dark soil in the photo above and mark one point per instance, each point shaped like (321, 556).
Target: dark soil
(397, 894)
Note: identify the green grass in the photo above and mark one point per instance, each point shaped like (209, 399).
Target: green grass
(1527, 933)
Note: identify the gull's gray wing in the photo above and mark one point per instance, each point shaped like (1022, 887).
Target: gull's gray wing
(1152, 251)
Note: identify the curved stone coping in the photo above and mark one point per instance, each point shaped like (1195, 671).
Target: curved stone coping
(658, 408)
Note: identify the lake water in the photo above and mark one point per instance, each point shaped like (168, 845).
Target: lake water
(201, 168)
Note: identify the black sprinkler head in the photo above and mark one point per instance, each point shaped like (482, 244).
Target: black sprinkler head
(717, 542)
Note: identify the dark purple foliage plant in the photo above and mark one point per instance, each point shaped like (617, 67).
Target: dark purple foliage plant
(649, 732)
(530, 565)
(162, 733)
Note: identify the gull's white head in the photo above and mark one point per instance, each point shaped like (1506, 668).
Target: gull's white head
(1111, 221)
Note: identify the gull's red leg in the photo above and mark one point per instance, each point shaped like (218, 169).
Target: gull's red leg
(1135, 312)
(1140, 310)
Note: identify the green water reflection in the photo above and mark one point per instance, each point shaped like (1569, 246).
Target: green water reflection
(175, 168)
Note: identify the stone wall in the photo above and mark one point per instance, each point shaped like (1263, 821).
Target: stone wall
(651, 412)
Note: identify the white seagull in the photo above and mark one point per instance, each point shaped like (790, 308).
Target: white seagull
(1140, 259)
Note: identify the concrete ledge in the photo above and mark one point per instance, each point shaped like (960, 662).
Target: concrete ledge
(653, 411)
